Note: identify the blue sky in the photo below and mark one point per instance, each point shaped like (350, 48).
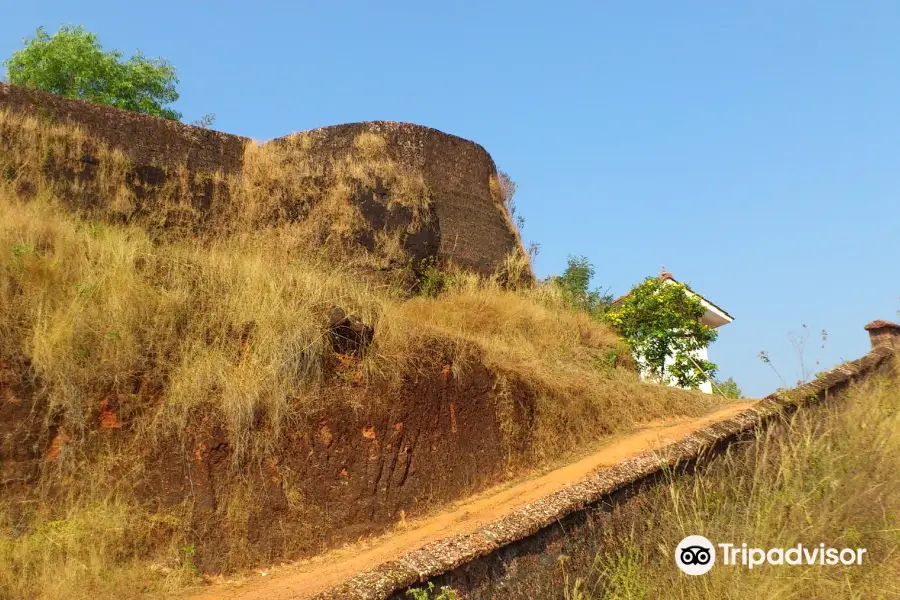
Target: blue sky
(753, 150)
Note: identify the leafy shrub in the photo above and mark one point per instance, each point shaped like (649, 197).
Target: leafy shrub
(445, 593)
(659, 319)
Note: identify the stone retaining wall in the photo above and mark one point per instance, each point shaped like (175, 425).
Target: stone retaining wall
(469, 228)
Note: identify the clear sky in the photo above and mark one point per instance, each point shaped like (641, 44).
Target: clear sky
(752, 148)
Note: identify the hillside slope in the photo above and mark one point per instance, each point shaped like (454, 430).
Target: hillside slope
(187, 389)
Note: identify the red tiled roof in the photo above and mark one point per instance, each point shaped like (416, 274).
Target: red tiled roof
(879, 324)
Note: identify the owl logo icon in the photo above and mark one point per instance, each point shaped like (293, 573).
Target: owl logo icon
(695, 555)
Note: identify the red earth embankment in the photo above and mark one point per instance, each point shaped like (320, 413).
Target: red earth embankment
(307, 579)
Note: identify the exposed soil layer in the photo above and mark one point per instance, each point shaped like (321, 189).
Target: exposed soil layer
(349, 472)
(323, 572)
(373, 456)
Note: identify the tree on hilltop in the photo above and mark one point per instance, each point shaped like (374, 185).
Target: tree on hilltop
(72, 63)
(575, 285)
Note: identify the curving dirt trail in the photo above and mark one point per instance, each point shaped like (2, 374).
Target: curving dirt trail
(307, 578)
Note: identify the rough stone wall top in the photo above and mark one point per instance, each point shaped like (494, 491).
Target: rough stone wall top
(144, 139)
(882, 324)
(473, 230)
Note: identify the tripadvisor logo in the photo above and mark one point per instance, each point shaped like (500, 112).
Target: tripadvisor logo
(696, 555)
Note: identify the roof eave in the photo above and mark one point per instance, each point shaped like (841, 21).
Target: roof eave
(668, 276)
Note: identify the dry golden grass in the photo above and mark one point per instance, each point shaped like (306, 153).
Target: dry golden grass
(828, 475)
(90, 540)
(281, 182)
(85, 553)
(101, 310)
(232, 321)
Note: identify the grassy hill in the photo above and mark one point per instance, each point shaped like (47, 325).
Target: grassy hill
(176, 393)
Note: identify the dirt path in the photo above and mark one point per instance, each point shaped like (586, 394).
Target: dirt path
(304, 579)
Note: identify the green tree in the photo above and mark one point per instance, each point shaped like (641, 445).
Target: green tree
(72, 63)
(660, 319)
(575, 284)
(728, 388)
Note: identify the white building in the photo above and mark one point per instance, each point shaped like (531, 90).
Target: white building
(714, 317)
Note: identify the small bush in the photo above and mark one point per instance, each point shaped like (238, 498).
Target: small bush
(428, 593)
(433, 280)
